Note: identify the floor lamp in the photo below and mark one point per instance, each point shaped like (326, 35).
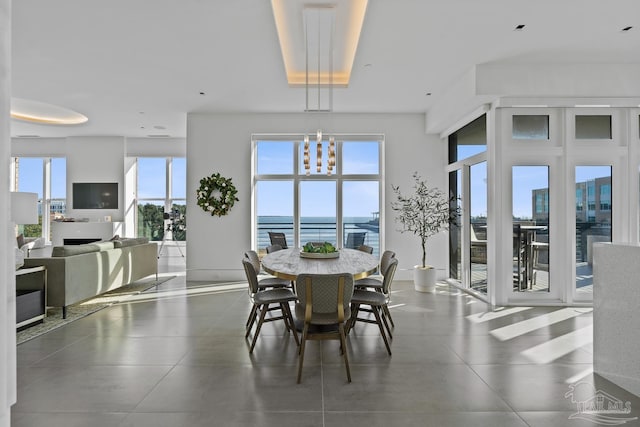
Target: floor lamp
(24, 210)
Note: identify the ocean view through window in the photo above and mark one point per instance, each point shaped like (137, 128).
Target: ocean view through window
(342, 208)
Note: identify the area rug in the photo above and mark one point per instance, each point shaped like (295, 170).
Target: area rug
(54, 318)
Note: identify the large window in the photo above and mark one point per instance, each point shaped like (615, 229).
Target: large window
(161, 198)
(341, 207)
(48, 178)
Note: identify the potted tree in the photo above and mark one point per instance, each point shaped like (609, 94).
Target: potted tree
(424, 213)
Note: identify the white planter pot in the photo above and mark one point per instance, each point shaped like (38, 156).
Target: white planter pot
(424, 279)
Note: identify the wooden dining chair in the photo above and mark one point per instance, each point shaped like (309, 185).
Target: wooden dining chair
(323, 299)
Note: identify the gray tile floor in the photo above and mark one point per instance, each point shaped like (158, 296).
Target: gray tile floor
(176, 356)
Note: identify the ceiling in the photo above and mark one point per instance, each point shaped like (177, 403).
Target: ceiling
(136, 68)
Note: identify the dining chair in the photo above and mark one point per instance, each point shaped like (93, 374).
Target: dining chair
(265, 282)
(478, 248)
(376, 284)
(262, 300)
(540, 260)
(366, 248)
(355, 239)
(323, 299)
(278, 238)
(273, 248)
(378, 301)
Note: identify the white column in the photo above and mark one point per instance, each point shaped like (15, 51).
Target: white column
(7, 239)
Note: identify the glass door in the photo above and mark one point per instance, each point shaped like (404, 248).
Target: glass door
(593, 208)
(530, 213)
(478, 226)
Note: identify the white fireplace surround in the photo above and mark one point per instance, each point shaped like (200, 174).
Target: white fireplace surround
(83, 230)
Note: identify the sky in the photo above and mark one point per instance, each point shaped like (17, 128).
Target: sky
(317, 198)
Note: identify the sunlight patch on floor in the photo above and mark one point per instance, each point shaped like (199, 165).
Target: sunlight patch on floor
(495, 314)
(520, 328)
(556, 348)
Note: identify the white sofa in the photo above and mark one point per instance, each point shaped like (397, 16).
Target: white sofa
(79, 272)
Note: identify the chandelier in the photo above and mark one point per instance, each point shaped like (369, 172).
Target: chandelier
(331, 154)
(319, 25)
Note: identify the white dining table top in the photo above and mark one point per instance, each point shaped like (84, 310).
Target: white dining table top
(287, 264)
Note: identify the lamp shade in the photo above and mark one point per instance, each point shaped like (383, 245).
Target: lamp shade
(24, 208)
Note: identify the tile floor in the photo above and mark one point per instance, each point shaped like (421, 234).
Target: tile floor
(177, 356)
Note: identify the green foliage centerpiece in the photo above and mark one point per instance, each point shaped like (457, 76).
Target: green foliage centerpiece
(321, 250)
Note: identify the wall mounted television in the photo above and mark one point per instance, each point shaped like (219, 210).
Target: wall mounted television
(95, 195)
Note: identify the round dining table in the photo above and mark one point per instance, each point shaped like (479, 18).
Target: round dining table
(287, 264)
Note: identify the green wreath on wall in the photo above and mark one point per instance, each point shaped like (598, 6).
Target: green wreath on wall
(216, 194)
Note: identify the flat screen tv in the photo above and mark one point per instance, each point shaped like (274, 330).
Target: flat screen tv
(95, 195)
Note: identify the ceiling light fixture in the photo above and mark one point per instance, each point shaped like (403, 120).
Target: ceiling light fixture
(519, 27)
(319, 25)
(43, 113)
(349, 17)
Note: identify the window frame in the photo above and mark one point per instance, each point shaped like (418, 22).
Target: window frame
(168, 198)
(47, 199)
(297, 176)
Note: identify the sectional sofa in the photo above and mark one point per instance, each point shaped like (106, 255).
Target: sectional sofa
(79, 272)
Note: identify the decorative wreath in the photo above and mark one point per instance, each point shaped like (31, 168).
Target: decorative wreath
(216, 194)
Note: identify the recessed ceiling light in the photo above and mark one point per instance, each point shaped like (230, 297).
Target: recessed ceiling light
(427, 94)
(43, 113)
(626, 28)
(202, 93)
(519, 27)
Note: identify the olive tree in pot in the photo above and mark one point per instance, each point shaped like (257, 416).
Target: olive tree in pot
(425, 212)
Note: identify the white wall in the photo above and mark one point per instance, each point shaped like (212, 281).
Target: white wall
(95, 159)
(7, 236)
(222, 143)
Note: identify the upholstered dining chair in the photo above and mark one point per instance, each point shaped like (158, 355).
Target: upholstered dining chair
(376, 283)
(323, 299)
(355, 239)
(378, 301)
(365, 248)
(273, 248)
(262, 300)
(277, 238)
(265, 282)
